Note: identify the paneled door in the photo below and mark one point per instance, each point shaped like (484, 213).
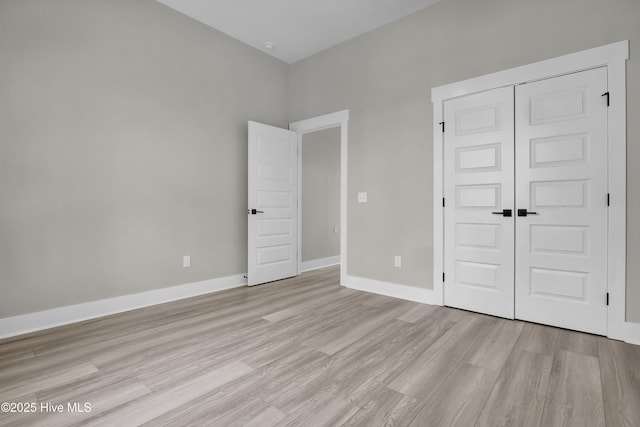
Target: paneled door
(272, 204)
(561, 201)
(479, 202)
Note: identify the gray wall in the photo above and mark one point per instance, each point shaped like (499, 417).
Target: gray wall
(123, 135)
(122, 148)
(384, 77)
(320, 194)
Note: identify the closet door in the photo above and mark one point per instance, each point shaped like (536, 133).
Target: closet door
(561, 197)
(479, 179)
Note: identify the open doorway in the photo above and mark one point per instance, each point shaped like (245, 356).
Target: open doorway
(339, 121)
(319, 184)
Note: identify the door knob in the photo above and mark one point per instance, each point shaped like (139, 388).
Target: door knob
(254, 211)
(524, 212)
(505, 212)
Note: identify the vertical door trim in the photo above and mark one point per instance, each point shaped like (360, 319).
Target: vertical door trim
(614, 57)
(326, 121)
(438, 202)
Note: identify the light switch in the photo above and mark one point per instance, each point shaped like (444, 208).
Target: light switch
(362, 197)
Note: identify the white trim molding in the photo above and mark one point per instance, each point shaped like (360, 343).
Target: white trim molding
(613, 56)
(394, 290)
(32, 322)
(315, 264)
(326, 121)
(633, 333)
(574, 62)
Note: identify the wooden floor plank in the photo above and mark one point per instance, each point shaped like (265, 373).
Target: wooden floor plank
(47, 379)
(578, 342)
(383, 314)
(361, 369)
(322, 409)
(538, 339)
(21, 418)
(312, 304)
(102, 394)
(519, 394)
(154, 405)
(8, 358)
(460, 399)
(574, 396)
(428, 372)
(239, 414)
(252, 389)
(307, 351)
(494, 348)
(419, 312)
(385, 407)
(267, 418)
(620, 375)
(369, 366)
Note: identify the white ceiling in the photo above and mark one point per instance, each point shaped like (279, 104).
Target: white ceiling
(297, 28)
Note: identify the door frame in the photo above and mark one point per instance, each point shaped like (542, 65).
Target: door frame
(613, 56)
(326, 121)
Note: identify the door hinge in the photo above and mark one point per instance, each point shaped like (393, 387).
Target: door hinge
(607, 95)
(608, 199)
(607, 298)
(442, 124)
(442, 277)
(443, 202)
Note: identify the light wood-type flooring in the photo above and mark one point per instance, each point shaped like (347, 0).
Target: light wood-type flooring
(307, 352)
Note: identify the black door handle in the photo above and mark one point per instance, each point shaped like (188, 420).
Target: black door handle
(254, 211)
(505, 212)
(524, 212)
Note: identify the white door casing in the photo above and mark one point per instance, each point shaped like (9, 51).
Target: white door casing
(337, 119)
(272, 204)
(478, 188)
(613, 57)
(560, 254)
(561, 175)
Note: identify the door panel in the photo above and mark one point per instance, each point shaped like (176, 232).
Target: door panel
(272, 190)
(478, 168)
(561, 174)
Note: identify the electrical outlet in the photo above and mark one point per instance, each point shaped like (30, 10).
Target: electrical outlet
(362, 197)
(186, 261)
(397, 261)
(335, 229)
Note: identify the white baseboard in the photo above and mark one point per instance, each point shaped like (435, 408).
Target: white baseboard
(315, 264)
(426, 296)
(410, 293)
(18, 325)
(633, 333)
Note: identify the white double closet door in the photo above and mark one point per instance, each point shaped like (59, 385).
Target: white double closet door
(525, 174)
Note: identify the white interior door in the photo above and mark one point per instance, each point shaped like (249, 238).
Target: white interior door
(561, 175)
(478, 181)
(272, 204)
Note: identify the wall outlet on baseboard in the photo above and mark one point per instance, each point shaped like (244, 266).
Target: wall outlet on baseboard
(397, 261)
(362, 197)
(186, 261)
